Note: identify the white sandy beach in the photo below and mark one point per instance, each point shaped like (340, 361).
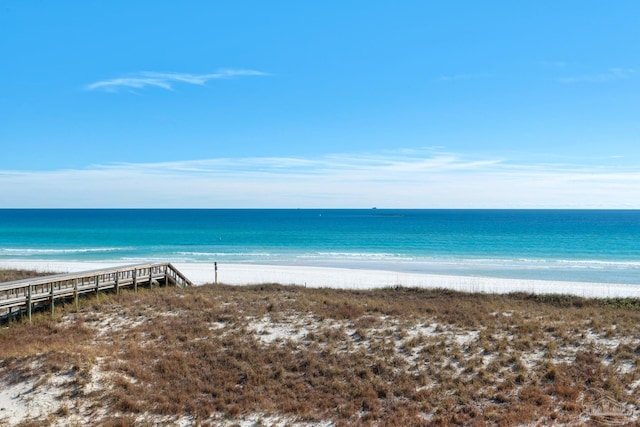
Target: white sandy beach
(344, 278)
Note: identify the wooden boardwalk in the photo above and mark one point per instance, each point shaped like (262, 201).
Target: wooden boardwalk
(23, 296)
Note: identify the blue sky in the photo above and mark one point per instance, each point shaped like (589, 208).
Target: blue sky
(425, 104)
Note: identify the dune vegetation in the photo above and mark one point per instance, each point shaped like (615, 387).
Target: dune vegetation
(284, 355)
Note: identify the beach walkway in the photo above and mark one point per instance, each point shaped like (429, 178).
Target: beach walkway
(23, 296)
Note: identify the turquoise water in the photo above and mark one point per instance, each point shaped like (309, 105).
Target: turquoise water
(584, 245)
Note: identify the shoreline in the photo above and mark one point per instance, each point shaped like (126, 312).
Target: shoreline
(347, 278)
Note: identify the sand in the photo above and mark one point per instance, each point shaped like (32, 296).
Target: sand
(345, 278)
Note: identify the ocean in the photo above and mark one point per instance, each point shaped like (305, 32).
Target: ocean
(565, 245)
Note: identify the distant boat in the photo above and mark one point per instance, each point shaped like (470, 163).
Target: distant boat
(374, 208)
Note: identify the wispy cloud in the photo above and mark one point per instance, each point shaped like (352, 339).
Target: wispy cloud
(611, 74)
(167, 80)
(461, 77)
(401, 179)
(337, 166)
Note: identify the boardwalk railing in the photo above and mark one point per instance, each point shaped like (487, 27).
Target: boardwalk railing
(25, 295)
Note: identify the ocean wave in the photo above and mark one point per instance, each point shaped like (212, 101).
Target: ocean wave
(49, 251)
(356, 255)
(455, 262)
(226, 254)
(549, 263)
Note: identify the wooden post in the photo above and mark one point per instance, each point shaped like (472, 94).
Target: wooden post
(135, 280)
(150, 276)
(215, 267)
(29, 302)
(117, 283)
(75, 292)
(52, 299)
(97, 286)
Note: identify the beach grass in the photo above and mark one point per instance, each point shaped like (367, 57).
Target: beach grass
(11, 275)
(286, 355)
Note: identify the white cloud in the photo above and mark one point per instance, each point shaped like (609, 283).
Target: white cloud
(459, 77)
(405, 179)
(167, 80)
(611, 74)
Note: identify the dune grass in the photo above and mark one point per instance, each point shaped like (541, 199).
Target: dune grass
(217, 355)
(11, 275)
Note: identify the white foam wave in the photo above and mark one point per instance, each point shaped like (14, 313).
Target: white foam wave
(225, 254)
(356, 255)
(48, 251)
(550, 263)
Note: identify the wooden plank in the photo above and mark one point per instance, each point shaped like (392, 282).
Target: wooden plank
(29, 302)
(53, 297)
(75, 292)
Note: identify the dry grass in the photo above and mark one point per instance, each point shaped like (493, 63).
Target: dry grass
(11, 275)
(215, 355)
